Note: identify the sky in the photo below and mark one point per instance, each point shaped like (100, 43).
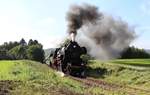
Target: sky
(45, 20)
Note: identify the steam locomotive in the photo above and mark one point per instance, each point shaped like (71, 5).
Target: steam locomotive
(68, 59)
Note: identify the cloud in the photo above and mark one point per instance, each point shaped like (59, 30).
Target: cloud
(46, 21)
(51, 41)
(17, 20)
(13, 30)
(143, 28)
(142, 40)
(44, 30)
(145, 7)
(45, 26)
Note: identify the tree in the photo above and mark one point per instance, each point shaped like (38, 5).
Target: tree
(19, 52)
(4, 55)
(85, 57)
(35, 52)
(64, 42)
(4, 48)
(7, 46)
(35, 42)
(23, 42)
(30, 42)
(132, 52)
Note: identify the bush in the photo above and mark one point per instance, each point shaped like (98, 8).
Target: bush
(35, 52)
(18, 52)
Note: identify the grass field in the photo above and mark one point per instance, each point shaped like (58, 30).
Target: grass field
(33, 78)
(25, 77)
(134, 62)
(131, 72)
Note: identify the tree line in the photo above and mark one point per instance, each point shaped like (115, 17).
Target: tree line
(133, 52)
(33, 50)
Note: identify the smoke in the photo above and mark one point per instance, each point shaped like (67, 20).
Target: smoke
(103, 36)
(80, 15)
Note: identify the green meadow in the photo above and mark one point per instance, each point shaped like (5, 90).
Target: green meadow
(24, 77)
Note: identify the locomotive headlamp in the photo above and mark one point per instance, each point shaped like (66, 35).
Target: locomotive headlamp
(74, 46)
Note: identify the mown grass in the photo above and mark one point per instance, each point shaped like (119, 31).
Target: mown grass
(134, 62)
(123, 74)
(25, 77)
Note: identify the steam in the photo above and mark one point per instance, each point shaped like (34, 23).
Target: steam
(103, 36)
(72, 36)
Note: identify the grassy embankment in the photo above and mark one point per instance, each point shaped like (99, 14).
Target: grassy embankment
(33, 78)
(130, 72)
(25, 77)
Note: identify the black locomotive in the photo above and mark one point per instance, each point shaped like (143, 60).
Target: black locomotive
(68, 59)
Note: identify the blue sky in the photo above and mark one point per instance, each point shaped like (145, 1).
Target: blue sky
(44, 20)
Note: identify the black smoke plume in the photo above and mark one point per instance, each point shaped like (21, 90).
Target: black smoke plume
(103, 36)
(80, 15)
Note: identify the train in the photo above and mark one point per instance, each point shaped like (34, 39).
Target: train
(67, 59)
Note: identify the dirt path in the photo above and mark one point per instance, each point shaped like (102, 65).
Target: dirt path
(6, 86)
(90, 82)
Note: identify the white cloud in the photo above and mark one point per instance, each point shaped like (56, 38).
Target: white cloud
(14, 23)
(48, 20)
(17, 22)
(51, 41)
(45, 25)
(11, 30)
(142, 40)
(141, 43)
(44, 30)
(145, 7)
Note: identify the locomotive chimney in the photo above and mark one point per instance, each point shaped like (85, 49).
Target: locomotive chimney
(72, 35)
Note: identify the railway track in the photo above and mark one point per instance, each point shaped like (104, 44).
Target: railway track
(90, 82)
